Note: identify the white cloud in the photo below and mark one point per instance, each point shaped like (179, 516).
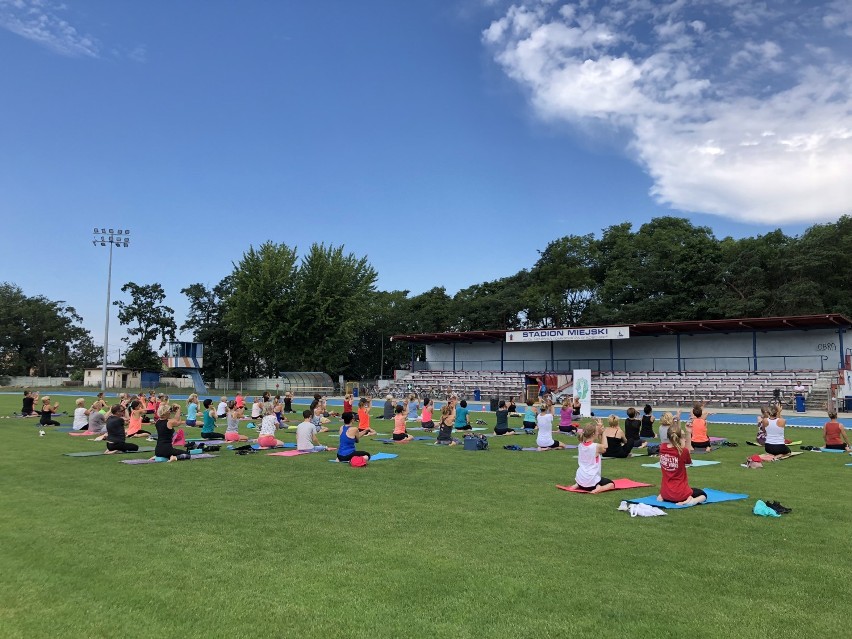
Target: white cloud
(729, 109)
(41, 22)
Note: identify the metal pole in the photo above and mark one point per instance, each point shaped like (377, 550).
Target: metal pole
(382, 364)
(106, 323)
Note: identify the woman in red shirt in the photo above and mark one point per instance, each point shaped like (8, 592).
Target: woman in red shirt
(834, 434)
(674, 456)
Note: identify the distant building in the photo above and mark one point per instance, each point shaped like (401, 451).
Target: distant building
(117, 376)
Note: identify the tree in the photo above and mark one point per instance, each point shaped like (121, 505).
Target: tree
(147, 319)
(328, 313)
(259, 307)
(562, 282)
(38, 335)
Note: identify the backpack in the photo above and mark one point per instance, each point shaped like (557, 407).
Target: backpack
(475, 442)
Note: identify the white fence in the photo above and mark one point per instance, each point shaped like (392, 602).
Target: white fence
(24, 381)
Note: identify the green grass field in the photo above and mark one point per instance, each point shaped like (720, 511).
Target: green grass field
(435, 543)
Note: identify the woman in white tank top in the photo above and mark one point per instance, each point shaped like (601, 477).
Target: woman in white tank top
(592, 446)
(775, 434)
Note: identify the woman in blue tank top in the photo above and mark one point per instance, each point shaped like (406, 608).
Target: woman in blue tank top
(349, 436)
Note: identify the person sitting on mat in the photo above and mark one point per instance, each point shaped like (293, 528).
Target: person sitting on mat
(576, 406)
(400, 435)
(168, 418)
(208, 427)
(834, 434)
(647, 429)
(234, 415)
(115, 436)
(268, 426)
(97, 420)
(775, 447)
(426, 421)
(512, 408)
(566, 417)
(318, 420)
(134, 426)
(632, 428)
(411, 406)
(529, 417)
(349, 437)
(256, 409)
(364, 406)
(592, 446)
(47, 411)
(387, 411)
(462, 421)
(288, 402)
(502, 426)
(306, 435)
(674, 457)
(445, 432)
(81, 415)
(545, 428)
(700, 439)
(617, 444)
(762, 419)
(192, 410)
(222, 408)
(28, 405)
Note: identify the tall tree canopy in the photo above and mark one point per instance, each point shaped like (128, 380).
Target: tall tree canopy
(146, 319)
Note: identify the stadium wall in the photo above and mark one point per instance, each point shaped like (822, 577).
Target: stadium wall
(794, 349)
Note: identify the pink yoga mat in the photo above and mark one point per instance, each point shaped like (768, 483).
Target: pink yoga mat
(290, 453)
(81, 433)
(620, 484)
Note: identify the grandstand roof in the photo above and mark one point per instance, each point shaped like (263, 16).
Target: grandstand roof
(794, 322)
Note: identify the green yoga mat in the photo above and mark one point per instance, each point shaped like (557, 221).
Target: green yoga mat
(100, 453)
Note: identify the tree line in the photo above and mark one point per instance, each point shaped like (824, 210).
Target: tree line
(277, 312)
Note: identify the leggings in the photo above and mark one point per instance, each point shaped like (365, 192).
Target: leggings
(124, 447)
(357, 453)
(212, 436)
(168, 451)
(621, 452)
(49, 422)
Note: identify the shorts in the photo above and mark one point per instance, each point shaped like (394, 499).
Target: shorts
(364, 430)
(191, 422)
(835, 446)
(568, 429)
(777, 449)
(465, 427)
(398, 437)
(267, 441)
(427, 425)
(503, 431)
(232, 436)
(529, 425)
(701, 444)
(555, 444)
(697, 492)
(603, 482)
(446, 442)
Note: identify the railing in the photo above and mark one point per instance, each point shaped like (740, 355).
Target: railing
(654, 364)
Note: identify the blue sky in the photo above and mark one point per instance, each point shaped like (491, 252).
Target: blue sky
(447, 141)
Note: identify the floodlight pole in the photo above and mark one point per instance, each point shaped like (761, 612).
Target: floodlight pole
(119, 238)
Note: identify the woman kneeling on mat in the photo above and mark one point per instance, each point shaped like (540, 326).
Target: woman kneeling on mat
(592, 446)
(208, 427)
(115, 437)
(834, 434)
(502, 427)
(674, 456)
(445, 432)
(268, 426)
(349, 436)
(545, 428)
(617, 444)
(775, 446)
(168, 418)
(400, 435)
(701, 439)
(234, 414)
(566, 417)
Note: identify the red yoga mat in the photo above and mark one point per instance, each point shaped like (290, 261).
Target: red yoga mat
(620, 484)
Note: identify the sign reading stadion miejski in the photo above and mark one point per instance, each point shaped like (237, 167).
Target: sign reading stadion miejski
(565, 334)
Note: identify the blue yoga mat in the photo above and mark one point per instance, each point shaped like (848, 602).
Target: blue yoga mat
(695, 462)
(713, 497)
(286, 445)
(831, 450)
(376, 457)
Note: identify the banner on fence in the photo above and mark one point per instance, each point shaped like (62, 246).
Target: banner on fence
(583, 390)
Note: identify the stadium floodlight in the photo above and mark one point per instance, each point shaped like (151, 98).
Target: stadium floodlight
(120, 238)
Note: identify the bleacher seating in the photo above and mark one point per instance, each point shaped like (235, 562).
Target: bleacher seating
(720, 388)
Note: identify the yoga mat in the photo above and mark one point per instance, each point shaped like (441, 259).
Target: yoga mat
(375, 457)
(829, 450)
(64, 429)
(290, 453)
(212, 442)
(695, 462)
(156, 460)
(717, 440)
(285, 445)
(536, 449)
(100, 453)
(713, 497)
(81, 433)
(620, 484)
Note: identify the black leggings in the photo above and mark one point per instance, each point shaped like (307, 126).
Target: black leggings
(212, 436)
(169, 450)
(621, 452)
(503, 431)
(357, 453)
(49, 422)
(124, 447)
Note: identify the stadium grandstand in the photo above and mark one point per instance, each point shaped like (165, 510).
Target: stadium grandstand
(731, 362)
